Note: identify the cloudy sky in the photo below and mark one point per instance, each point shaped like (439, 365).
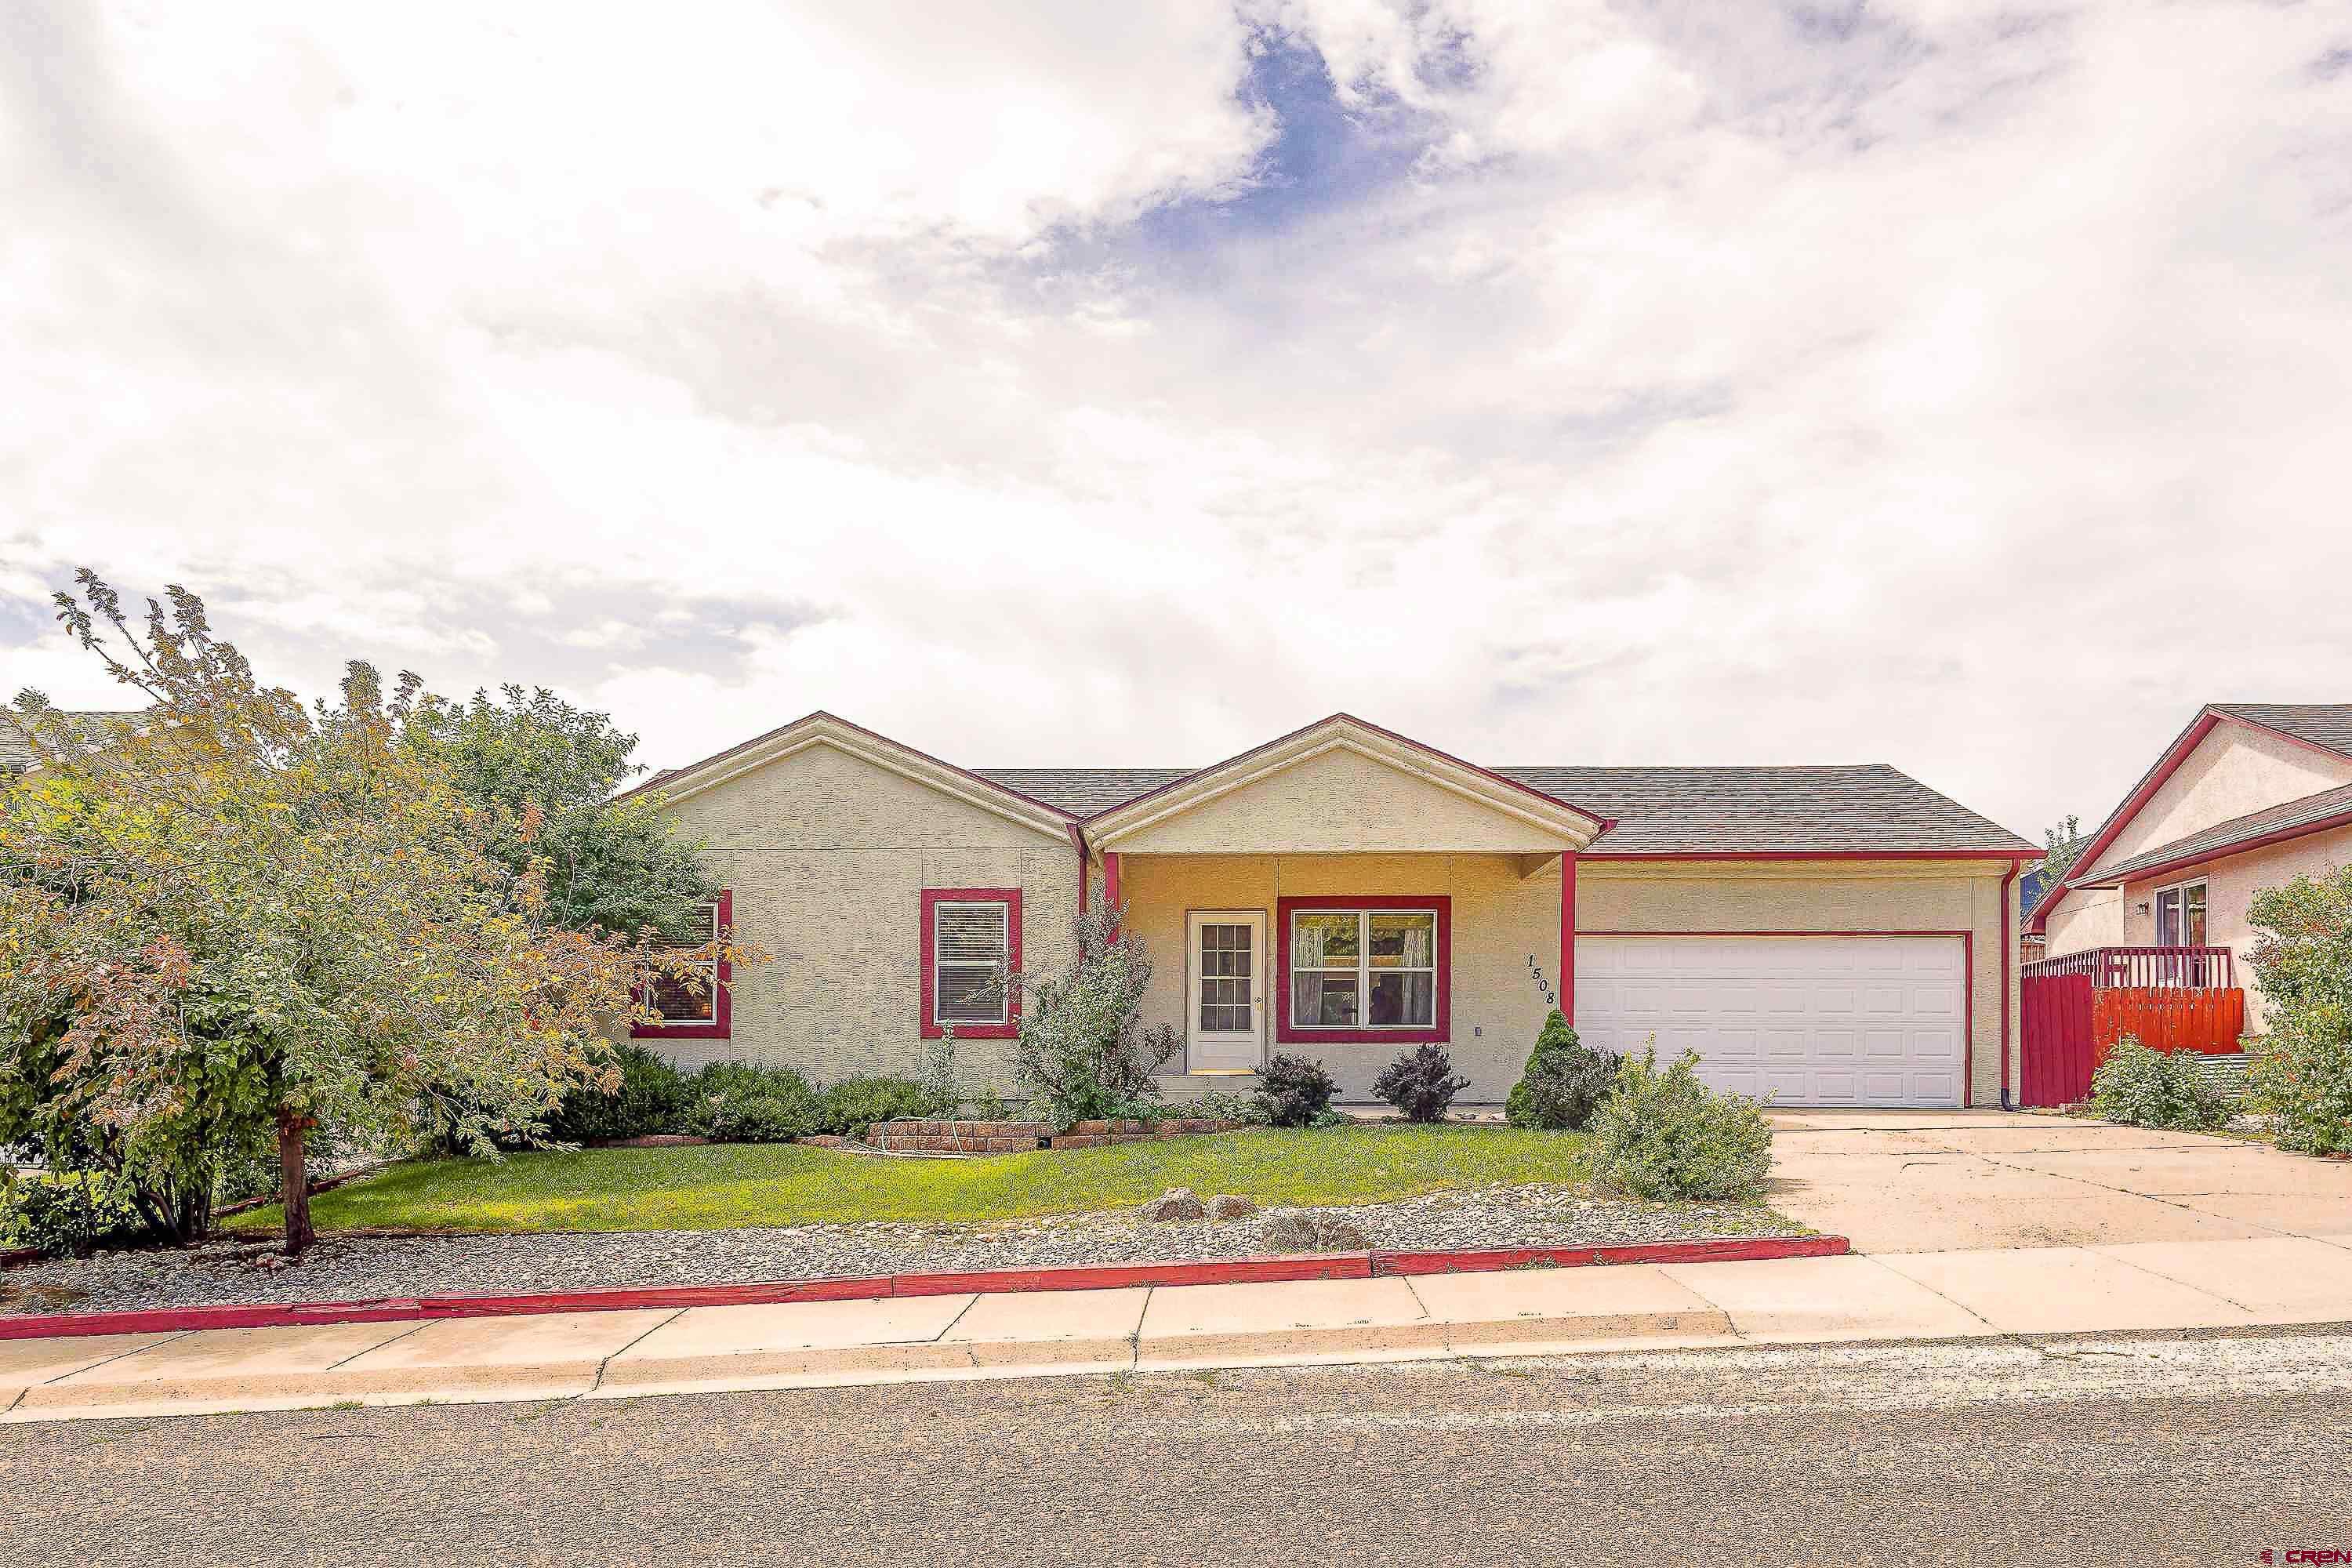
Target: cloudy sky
(1959, 384)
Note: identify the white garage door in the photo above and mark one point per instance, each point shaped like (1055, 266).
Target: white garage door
(1809, 1020)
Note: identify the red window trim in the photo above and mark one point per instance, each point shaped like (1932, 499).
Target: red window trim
(1010, 898)
(722, 1013)
(1287, 1033)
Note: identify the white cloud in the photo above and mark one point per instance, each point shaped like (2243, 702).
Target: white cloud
(1720, 383)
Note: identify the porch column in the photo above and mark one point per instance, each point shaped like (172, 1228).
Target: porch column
(1110, 889)
(1568, 934)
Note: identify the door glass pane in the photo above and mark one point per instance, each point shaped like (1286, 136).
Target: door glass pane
(1404, 998)
(1323, 1001)
(2167, 918)
(1226, 962)
(2192, 915)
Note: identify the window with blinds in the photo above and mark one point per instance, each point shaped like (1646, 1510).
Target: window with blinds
(970, 951)
(689, 994)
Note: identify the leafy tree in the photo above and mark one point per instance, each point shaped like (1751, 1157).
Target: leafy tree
(611, 865)
(245, 918)
(2061, 844)
(2303, 1071)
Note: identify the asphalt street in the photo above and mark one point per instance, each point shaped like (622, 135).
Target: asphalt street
(2147, 1449)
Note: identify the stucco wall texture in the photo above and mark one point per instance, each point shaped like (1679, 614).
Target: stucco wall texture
(828, 856)
(2232, 772)
(1339, 802)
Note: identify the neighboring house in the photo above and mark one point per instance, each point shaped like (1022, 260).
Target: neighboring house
(1829, 935)
(16, 754)
(2244, 798)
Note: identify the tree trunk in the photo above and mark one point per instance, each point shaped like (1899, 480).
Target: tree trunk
(294, 1175)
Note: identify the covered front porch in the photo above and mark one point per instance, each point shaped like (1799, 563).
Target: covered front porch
(1345, 895)
(1350, 959)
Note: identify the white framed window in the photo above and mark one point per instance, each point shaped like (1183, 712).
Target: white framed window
(2180, 914)
(689, 992)
(1363, 968)
(970, 950)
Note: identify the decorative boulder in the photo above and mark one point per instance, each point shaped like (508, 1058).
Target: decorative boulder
(1231, 1205)
(1178, 1203)
(1309, 1232)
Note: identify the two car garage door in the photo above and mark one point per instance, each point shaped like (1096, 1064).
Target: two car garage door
(1809, 1020)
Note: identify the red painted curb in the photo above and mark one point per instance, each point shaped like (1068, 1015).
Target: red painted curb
(1059, 1276)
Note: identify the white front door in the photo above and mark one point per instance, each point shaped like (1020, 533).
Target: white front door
(1224, 984)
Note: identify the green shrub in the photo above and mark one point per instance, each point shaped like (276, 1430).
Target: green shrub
(68, 1215)
(719, 1101)
(2302, 1073)
(1422, 1083)
(1083, 1049)
(990, 1105)
(1662, 1135)
(1564, 1082)
(1227, 1105)
(2142, 1088)
(850, 1107)
(651, 1099)
(764, 1119)
(1295, 1093)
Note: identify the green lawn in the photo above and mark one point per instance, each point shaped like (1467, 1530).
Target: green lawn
(723, 1185)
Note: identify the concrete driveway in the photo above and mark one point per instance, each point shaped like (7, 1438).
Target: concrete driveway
(1914, 1181)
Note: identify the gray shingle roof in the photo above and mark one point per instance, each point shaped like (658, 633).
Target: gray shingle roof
(1864, 806)
(2327, 725)
(15, 756)
(2222, 836)
(1839, 806)
(1083, 791)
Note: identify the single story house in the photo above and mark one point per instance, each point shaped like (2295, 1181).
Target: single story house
(1832, 936)
(2246, 797)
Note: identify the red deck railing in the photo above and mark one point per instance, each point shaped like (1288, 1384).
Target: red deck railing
(2110, 967)
(2077, 1006)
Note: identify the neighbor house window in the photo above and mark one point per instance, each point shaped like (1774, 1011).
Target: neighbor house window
(2180, 915)
(691, 993)
(971, 943)
(1370, 969)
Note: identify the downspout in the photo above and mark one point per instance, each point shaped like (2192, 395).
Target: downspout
(2008, 960)
(1079, 839)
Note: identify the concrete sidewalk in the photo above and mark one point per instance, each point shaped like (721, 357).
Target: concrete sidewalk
(1913, 1296)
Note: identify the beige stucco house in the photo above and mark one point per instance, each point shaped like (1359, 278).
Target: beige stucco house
(2248, 797)
(1829, 935)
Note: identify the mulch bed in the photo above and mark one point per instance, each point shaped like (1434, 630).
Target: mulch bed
(359, 1268)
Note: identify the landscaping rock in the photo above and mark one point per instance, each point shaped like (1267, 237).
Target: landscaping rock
(1177, 1204)
(365, 1268)
(1306, 1231)
(1231, 1205)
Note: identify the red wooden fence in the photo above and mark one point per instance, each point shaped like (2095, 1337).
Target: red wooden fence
(2070, 1022)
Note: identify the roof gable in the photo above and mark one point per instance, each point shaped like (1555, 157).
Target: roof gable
(823, 729)
(1348, 752)
(2320, 733)
(2291, 819)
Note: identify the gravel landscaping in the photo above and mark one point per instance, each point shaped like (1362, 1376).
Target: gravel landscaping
(360, 1268)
